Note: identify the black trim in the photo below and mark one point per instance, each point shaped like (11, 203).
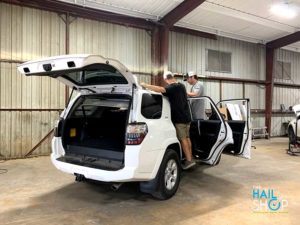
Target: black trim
(92, 162)
(97, 152)
(234, 99)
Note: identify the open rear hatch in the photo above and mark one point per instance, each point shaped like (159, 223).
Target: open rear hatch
(84, 72)
(94, 131)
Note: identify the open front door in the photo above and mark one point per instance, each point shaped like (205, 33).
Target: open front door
(209, 133)
(237, 115)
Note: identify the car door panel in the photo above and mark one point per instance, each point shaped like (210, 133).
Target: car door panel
(209, 136)
(240, 126)
(204, 135)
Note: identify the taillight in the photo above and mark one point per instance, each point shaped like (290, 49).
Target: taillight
(136, 132)
(58, 128)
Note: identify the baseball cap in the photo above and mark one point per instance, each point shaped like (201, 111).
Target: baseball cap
(166, 73)
(189, 74)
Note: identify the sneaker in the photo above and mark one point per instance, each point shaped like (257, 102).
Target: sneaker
(188, 164)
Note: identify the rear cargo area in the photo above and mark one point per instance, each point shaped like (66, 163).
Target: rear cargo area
(94, 132)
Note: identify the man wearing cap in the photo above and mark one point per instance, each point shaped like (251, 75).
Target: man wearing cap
(180, 114)
(197, 90)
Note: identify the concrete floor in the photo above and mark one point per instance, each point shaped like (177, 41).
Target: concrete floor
(34, 192)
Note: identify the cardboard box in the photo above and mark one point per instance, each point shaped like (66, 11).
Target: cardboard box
(223, 111)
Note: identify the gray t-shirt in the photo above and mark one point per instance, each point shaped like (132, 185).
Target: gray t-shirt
(198, 105)
(197, 88)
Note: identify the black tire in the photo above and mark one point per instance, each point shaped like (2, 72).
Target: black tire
(292, 136)
(166, 189)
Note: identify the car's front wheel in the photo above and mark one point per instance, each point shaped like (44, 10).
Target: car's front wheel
(168, 177)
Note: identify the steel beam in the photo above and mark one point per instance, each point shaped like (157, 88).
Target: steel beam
(164, 47)
(39, 143)
(11, 61)
(29, 110)
(193, 32)
(180, 11)
(284, 41)
(67, 46)
(284, 85)
(269, 88)
(159, 53)
(84, 12)
(155, 56)
(234, 80)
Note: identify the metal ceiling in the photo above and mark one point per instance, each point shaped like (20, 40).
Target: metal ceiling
(239, 19)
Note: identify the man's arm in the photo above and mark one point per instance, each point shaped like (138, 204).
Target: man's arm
(154, 88)
(193, 94)
(196, 91)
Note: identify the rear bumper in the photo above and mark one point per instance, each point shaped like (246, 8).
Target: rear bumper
(132, 170)
(124, 175)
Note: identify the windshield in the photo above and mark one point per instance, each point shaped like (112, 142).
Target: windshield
(96, 74)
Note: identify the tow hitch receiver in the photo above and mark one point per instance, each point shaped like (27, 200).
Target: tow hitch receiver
(79, 177)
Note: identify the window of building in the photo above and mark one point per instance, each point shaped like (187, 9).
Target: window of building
(283, 70)
(217, 61)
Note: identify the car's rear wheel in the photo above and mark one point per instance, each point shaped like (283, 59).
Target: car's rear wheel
(168, 176)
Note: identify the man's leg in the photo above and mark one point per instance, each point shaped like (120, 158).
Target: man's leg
(182, 131)
(190, 145)
(186, 148)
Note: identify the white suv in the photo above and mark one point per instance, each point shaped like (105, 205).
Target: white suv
(114, 131)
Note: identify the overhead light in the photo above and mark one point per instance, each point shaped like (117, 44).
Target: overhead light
(284, 10)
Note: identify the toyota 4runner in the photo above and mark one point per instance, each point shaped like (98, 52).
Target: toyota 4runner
(115, 131)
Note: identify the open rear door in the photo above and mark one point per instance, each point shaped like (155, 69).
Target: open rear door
(209, 133)
(83, 72)
(237, 115)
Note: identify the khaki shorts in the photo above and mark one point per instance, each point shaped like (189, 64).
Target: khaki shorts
(182, 130)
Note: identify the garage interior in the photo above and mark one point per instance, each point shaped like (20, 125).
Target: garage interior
(239, 49)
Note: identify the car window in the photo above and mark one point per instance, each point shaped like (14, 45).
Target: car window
(100, 74)
(212, 113)
(202, 109)
(94, 106)
(151, 106)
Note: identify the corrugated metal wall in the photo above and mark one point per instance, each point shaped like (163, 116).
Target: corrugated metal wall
(26, 34)
(130, 46)
(248, 62)
(287, 96)
(188, 52)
